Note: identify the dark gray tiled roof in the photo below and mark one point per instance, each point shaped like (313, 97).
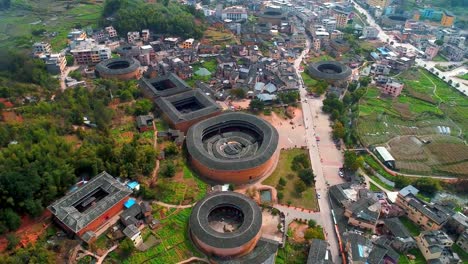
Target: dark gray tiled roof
(166, 104)
(65, 211)
(200, 228)
(263, 253)
(130, 231)
(103, 66)
(428, 210)
(396, 227)
(336, 191)
(318, 253)
(240, 121)
(360, 210)
(180, 85)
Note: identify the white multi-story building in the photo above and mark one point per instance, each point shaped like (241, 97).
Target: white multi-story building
(234, 13)
(329, 24)
(370, 32)
(89, 53)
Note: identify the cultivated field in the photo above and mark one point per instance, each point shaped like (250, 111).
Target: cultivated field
(18, 23)
(409, 125)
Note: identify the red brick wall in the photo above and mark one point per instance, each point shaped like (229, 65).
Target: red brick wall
(238, 176)
(131, 75)
(104, 217)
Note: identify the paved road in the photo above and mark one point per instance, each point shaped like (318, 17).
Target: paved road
(384, 37)
(292, 212)
(315, 122)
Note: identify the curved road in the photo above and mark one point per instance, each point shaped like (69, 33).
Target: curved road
(382, 36)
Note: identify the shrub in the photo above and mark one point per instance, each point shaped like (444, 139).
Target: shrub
(311, 223)
(282, 181)
(307, 176)
(300, 186)
(280, 196)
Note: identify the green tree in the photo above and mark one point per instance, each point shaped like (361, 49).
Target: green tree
(171, 150)
(307, 176)
(311, 233)
(126, 247)
(364, 81)
(238, 93)
(143, 107)
(427, 185)
(351, 161)
(167, 169)
(13, 241)
(10, 218)
(439, 42)
(338, 130)
(256, 105)
(311, 223)
(282, 181)
(70, 60)
(300, 186)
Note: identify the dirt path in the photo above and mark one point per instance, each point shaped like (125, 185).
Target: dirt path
(155, 146)
(174, 205)
(434, 91)
(190, 260)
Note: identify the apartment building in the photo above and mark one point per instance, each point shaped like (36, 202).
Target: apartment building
(145, 35)
(428, 216)
(41, 47)
(188, 43)
(392, 87)
(234, 13)
(431, 51)
(111, 31)
(447, 19)
(341, 17)
(370, 32)
(55, 62)
(435, 245)
(76, 34)
(89, 53)
(133, 36)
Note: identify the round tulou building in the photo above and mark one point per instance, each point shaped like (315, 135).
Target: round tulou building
(232, 148)
(333, 72)
(226, 225)
(119, 68)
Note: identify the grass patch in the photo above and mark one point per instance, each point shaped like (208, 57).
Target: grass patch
(461, 253)
(175, 243)
(439, 58)
(374, 187)
(308, 199)
(181, 191)
(292, 253)
(161, 125)
(414, 229)
(419, 258)
(17, 24)
(463, 76)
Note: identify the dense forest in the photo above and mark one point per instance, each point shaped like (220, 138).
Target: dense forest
(5, 4)
(38, 161)
(163, 17)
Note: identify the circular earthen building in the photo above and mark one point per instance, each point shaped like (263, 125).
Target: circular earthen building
(226, 225)
(329, 71)
(119, 68)
(232, 148)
